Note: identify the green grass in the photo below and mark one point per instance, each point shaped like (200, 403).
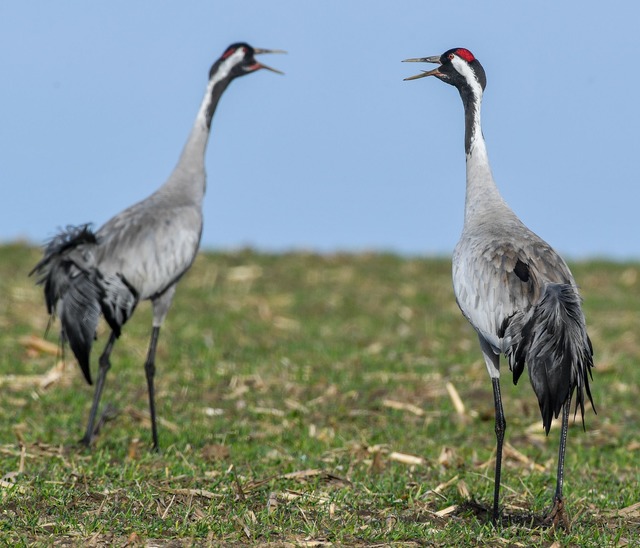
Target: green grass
(287, 386)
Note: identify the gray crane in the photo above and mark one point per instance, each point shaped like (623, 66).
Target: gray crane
(141, 253)
(514, 289)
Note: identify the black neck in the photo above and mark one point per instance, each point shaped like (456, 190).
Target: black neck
(471, 105)
(216, 93)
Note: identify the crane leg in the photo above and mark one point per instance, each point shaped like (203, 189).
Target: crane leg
(150, 371)
(492, 361)
(105, 365)
(501, 426)
(558, 516)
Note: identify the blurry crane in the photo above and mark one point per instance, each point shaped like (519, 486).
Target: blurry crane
(516, 291)
(139, 254)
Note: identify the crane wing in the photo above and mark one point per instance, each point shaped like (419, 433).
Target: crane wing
(148, 249)
(495, 278)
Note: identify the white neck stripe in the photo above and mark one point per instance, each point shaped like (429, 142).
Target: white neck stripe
(225, 67)
(476, 89)
(463, 68)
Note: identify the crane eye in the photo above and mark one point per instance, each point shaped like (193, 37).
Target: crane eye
(451, 56)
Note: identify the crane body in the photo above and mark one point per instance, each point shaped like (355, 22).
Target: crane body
(141, 253)
(514, 289)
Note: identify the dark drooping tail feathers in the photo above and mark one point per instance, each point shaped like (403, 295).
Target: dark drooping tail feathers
(71, 288)
(49, 271)
(551, 338)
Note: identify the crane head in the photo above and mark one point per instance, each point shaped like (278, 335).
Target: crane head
(457, 66)
(239, 59)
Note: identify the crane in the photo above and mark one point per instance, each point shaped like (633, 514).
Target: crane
(514, 289)
(141, 253)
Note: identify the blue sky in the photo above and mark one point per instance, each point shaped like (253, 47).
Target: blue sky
(340, 153)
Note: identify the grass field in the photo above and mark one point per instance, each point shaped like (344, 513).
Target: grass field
(309, 400)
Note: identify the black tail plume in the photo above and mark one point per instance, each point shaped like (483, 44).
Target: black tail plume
(551, 338)
(67, 272)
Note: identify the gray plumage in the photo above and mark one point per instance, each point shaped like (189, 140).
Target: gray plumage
(522, 300)
(514, 289)
(141, 253)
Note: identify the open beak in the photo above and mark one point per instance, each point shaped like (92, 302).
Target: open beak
(433, 59)
(258, 51)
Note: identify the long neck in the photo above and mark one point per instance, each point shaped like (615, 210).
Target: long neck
(188, 179)
(482, 196)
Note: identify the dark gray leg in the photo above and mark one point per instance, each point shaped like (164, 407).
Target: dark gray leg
(161, 306)
(150, 370)
(501, 426)
(563, 446)
(105, 365)
(558, 516)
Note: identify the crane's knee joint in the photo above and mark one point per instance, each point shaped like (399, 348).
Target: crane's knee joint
(104, 362)
(150, 368)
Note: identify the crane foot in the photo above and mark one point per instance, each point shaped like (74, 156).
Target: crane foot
(558, 517)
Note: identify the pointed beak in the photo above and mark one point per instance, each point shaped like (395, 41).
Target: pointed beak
(432, 59)
(258, 51)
